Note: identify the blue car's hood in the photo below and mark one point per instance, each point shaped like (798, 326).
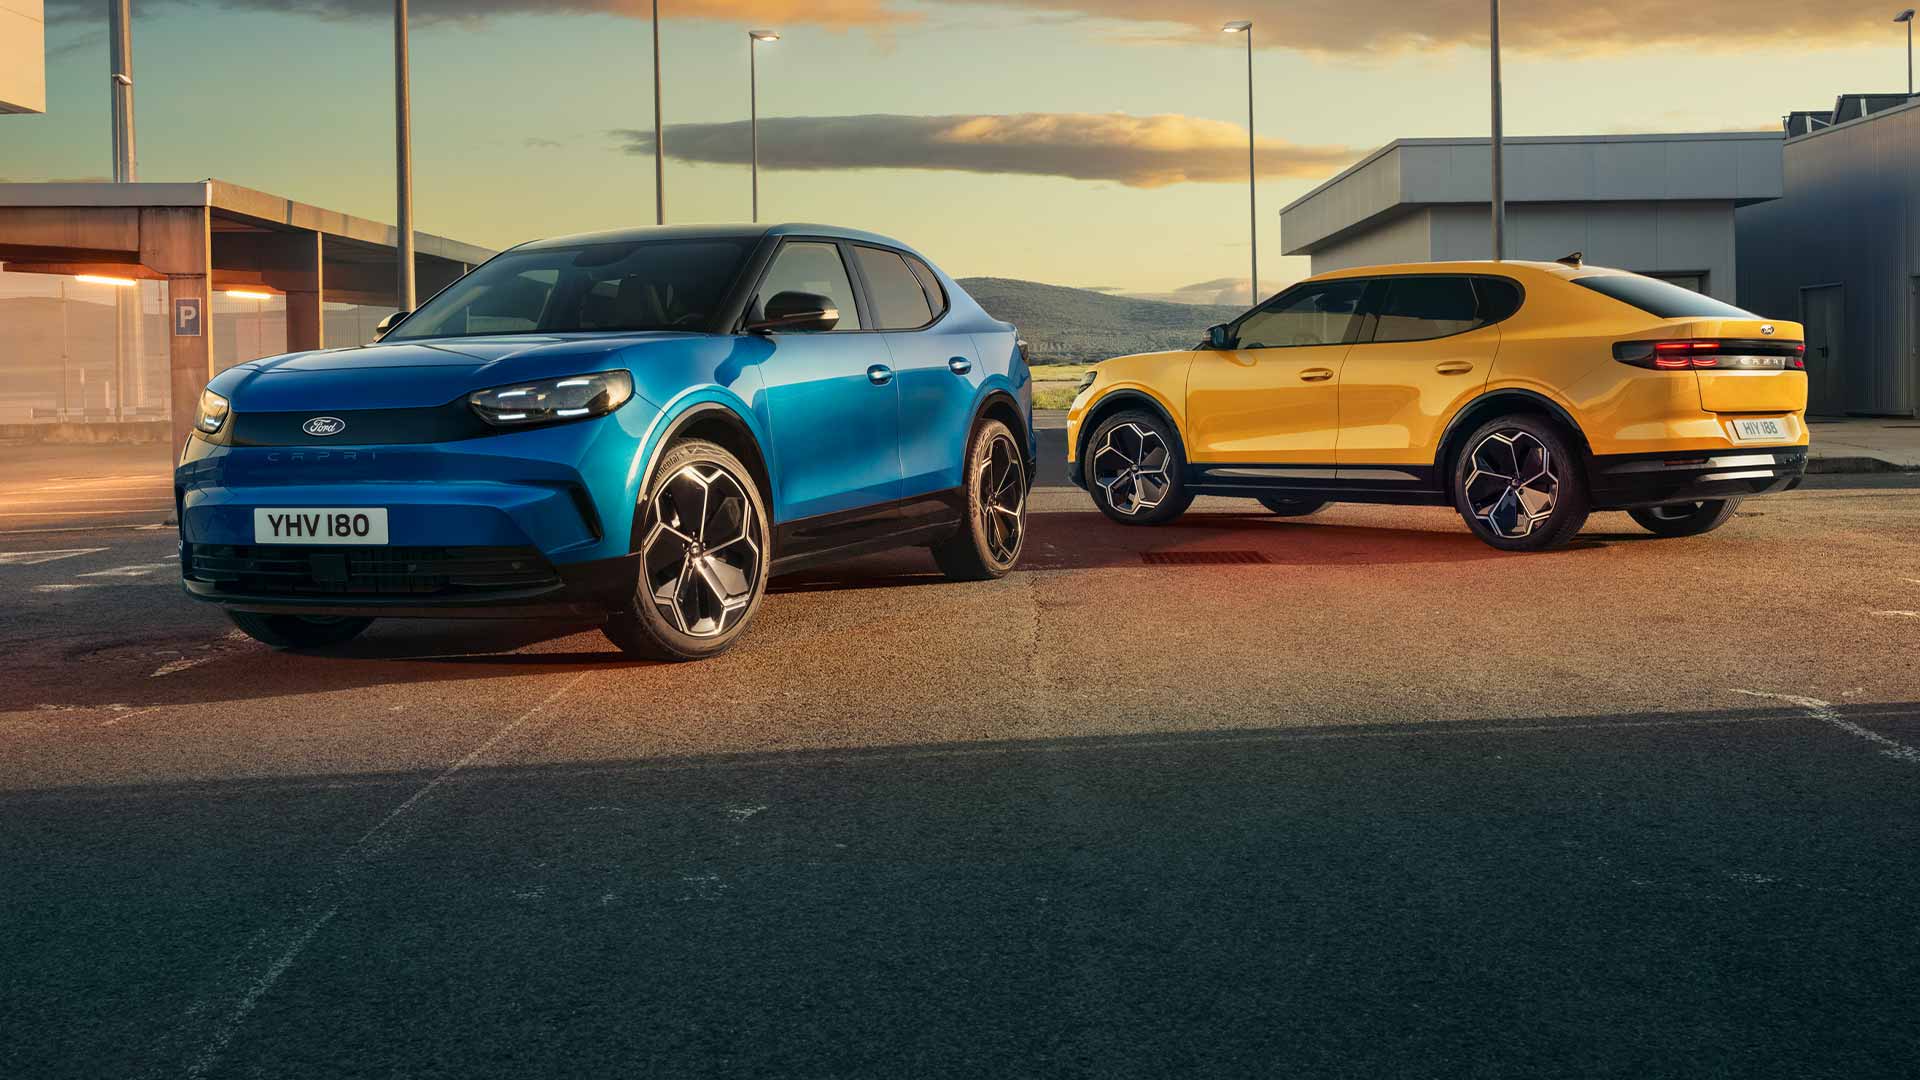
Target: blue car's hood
(421, 374)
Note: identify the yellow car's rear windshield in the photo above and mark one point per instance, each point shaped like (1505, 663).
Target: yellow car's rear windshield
(1660, 298)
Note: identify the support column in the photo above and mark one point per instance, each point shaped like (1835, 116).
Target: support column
(294, 266)
(178, 242)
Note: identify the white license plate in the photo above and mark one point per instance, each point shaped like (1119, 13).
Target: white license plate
(319, 525)
(1763, 429)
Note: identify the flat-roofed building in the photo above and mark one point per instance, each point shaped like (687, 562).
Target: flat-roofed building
(1661, 205)
(1840, 252)
(176, 259)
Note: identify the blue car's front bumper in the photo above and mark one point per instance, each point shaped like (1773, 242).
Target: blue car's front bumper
(516, 524)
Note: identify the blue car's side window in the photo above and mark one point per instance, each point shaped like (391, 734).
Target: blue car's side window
(804, 266)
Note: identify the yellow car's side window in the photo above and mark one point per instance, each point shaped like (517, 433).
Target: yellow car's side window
(1314, 315)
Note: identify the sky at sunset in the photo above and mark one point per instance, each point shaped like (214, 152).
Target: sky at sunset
(1097, 143)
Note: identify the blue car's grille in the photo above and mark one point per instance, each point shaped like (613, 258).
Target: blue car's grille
(370, 571)
(358, 427)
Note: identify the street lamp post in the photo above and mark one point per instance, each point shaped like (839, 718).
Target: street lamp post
(1907, 17)
(659, 135)
(1499, 196)
(403, 152)
(120, 83)
(754, 38)
(1244, 26)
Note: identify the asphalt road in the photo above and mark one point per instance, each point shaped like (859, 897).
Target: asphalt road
(1386, 803)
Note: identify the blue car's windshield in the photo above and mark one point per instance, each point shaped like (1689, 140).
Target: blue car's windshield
(633, 285)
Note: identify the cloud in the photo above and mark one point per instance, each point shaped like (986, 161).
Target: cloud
(537, 142)
(1138, 151)
(1344, 27)
(1551, 27)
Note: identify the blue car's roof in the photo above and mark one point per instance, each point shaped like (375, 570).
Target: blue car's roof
(694, 232)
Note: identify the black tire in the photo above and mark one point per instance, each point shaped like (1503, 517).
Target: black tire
(989, 542)
(1520, 485)
(1685, 519)
(691, 547)
(299, 631)
(1122, 449)
(1286, 506)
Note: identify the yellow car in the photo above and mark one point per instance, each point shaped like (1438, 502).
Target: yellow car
(1523, 394)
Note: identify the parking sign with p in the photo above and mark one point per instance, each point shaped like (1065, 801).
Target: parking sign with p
(186, 316)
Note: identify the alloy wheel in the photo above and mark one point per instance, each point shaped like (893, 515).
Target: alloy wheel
(1514, 483)
(701, 560)
(1130, 466)
(1002, 484)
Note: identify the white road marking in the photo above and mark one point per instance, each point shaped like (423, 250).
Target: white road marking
(325, 899)
(172, 666)
(35, 558)
(66, 588)
(122, 712)
(1826, 713)
(742, 813)
(1906, 614)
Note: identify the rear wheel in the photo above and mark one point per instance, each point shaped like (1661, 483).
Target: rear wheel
(1292, 507)
(1519, 485)
(989, 543)
(1685, 519)
(704, 555)
(1134, 469)
(299, 631)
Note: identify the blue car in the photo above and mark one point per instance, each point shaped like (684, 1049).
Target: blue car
(640, 427)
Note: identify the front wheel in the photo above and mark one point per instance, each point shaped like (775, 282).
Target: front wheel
(299, 631)
(1134, 469)
(989, 543)
(703, 559)
(1685, 519)
(1519, 485)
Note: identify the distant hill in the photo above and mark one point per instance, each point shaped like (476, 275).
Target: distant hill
(1079, 326)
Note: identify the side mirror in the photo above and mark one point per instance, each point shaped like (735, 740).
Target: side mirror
(796, 312)
(1220, 337)
(380, 329)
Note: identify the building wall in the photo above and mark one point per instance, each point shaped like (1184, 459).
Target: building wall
(1646, 237)
(1849, 218)
(1407, 238)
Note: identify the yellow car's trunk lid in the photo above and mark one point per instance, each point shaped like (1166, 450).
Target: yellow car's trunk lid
(1759, 368)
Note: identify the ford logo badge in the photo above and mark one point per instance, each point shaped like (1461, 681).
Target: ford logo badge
(323, 426)
(1767, 329)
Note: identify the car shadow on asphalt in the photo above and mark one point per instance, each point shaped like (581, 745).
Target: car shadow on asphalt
(1708, 893)
(1087, 540)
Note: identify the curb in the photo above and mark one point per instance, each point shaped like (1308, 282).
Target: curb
(1827, 466)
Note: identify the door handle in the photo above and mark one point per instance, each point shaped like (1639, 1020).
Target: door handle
(879, 374)
(1316, 374)
(1453, 367)
(959, 365)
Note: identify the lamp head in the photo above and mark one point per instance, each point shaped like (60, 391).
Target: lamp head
(1905, 16)
(764, 35)
(1238, 26)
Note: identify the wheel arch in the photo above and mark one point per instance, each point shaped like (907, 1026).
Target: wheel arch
(1120, 400)
(719, 423)
(1503, 402)
(1000, 404)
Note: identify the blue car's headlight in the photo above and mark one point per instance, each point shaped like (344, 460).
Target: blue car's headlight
(548, 400)
(212, 414)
